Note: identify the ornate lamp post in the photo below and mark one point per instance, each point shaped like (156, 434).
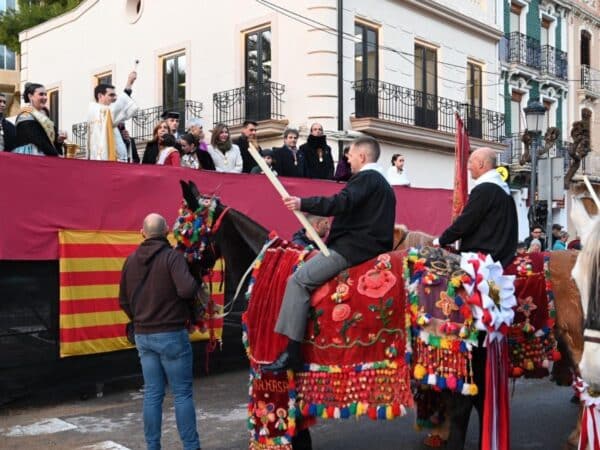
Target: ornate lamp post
(535, 115)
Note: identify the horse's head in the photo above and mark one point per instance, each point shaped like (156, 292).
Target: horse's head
(195, 228)
(586, 274)
(405, 239)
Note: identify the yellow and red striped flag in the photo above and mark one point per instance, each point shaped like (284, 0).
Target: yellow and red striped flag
(91, 320)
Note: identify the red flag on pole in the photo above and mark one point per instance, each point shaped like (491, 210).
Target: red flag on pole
(461, 150)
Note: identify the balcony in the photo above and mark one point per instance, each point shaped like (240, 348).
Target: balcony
(260, 102)
(141, 125)
(524, 50)
(554, 62)
(590, 81)
(394, 105)
(515, 148)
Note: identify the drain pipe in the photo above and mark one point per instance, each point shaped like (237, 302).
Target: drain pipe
(340, 80)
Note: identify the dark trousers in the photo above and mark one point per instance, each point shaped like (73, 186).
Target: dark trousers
(460, 406)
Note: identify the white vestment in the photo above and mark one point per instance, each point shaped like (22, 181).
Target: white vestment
(123, 109)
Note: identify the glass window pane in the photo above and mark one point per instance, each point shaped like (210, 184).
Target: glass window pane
(371, 53)
(181, 65)
(2, 5)
(419, 68)
(477, 86)
(431, 74)
(10, 4)
(168, 81)
(10, 60)
(515, 22)
(265, 55)
(515, 117)
(358, 53)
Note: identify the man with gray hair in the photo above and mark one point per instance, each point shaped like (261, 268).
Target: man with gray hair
(156, 291)
(362, 228)
(289, 160)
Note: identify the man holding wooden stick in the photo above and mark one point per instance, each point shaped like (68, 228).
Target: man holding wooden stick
(362, 228)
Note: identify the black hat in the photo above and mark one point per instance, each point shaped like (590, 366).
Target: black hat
(266, 152)
(169, 115)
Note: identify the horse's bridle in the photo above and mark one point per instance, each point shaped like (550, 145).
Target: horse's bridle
(219, 220)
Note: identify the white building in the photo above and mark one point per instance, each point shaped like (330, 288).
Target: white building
(406, 67)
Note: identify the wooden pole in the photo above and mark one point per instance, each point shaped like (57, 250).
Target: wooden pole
(283, 192)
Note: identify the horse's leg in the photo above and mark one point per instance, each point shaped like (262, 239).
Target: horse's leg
(302, 440)
(459, 412)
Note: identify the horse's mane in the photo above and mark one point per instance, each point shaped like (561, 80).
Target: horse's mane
(404, 238)
(590, 263)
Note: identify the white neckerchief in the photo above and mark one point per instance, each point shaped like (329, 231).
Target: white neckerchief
(492, 176)
(373, 166)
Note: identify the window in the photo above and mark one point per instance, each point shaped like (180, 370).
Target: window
(54, 103)
(515, 17)
(515, 112)
(258, 72)
(366, 70)
(7, 58)
(474, 99)
(426, 87)
(584, 48)
(545, 32)
(104, 78)
(173, 74)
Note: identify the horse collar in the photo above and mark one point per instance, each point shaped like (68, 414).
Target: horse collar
(219, 220)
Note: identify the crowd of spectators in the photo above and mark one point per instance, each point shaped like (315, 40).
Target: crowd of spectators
(109, 140)
(537, 240)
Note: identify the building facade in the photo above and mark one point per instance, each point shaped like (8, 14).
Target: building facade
(9, 70)
(406, 68)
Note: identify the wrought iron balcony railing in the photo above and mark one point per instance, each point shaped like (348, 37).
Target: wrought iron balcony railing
(378, 99)
(141, 125)
(523, 50)
(590, 79)
(554, 62)
(262, 101)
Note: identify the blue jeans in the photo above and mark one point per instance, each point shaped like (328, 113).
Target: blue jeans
(167, 357)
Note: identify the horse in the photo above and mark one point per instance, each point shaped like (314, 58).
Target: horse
(239, 239)
(586, 274)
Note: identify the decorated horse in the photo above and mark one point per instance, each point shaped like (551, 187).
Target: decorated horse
(586, 274)
(357, 343)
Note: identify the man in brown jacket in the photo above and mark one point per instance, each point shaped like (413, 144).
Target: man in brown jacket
(155, 292)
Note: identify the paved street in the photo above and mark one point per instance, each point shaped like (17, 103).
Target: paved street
(542, 417)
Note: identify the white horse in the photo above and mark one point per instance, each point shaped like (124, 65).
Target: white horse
(586, 274)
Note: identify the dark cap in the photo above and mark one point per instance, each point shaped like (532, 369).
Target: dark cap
(169, 115)
(266, 152)
(557, 226)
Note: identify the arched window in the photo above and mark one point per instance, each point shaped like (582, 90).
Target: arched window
(584, 48)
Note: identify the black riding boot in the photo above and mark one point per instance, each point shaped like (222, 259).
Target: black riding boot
(302, 440)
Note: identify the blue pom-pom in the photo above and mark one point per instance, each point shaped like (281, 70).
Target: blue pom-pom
(312, 410)
(441, 382)
(358, 368)
(345, 413)
(463, 347)
(458, 300)
(459, 385)
(381, 412)
(408, 357)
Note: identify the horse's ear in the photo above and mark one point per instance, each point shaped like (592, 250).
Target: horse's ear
(194, 189)
(189, 196)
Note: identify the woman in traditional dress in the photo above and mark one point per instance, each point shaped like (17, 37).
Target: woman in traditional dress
(191, 156)
(225, 154)
(169, 154)
(154, 147)
(36, 133)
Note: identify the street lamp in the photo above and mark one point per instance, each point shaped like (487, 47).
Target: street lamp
(535, 115)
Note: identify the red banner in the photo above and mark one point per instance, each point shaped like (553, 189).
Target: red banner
(40, 195)
(461, 181)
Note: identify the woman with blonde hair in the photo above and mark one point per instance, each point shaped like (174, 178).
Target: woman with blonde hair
(225, 154)
(154, 146)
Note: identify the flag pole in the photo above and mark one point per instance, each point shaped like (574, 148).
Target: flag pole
(283, 192)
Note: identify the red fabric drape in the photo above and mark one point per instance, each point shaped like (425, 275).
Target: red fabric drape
(461, 181)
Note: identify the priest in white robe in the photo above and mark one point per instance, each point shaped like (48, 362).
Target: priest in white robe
(104, 138)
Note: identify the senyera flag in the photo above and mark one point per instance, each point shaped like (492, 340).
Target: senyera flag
(90, 264)
(462, 149)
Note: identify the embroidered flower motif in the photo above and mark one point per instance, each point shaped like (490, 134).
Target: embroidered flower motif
(526, 306)
(342, 293)
(376, 283)
(340, 312)
(446, 304)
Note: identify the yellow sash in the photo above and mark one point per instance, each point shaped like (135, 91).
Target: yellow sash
(110, 137)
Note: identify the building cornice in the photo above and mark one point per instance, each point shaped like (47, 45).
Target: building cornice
(578, 11)
(58, 21)
(449, 15)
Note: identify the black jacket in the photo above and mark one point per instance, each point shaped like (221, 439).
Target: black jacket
(10, 135)
(301, 238)
(163, 303)
(315, 166)
(31, 132)
(364, 212)
(284, 162)
(248, 161)
(488, 224)
(206, 161)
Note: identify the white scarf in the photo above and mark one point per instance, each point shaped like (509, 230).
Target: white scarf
(492, 176)
(162, 157)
